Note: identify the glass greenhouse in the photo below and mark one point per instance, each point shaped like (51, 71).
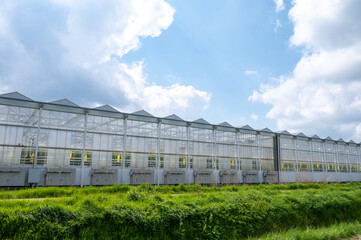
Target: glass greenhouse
(38, 136)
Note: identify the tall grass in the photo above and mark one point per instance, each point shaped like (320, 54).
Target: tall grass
(52, 192)
(181, 212)
(334, 232)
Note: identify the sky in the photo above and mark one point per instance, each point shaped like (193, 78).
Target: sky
(286, 65)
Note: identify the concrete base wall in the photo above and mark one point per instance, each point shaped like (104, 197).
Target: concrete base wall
(24, 176)
(319, 177)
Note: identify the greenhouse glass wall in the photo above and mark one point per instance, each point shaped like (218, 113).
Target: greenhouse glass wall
(60, 143)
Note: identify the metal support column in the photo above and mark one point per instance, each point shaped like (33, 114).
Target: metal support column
(37, 138)
(334, 155)
(187, 148)
(324, 156)
(348, 163)
(296, 154)
(124, 145)
(311, 153)
(278, 156)
(214, 152)
(214, 148)
(238, 158)
(337, 159)
(258, 138)
(158, 149)
(188, 151)
(83, 150)
(358, 159)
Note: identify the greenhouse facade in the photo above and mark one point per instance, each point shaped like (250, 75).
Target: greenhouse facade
(60, 143)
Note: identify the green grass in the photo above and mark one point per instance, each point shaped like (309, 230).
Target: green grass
(179, 212)
(333, 232)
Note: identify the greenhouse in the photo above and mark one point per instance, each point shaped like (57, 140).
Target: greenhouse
(60, 143)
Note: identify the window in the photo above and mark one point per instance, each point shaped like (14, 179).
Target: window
(28, 156)
(209, 163)
(183, 162)
(331, 167)
(254, 165)
(233, 164)
(152, 161)
(75, 158)
(117, 159)
(287, 166)
(342, 168)
(303, 167)
(317, 167)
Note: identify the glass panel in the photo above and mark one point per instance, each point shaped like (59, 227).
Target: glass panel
(173, 132)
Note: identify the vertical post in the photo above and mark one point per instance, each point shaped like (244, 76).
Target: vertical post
(214, 148)
(324, 156)
(158, 149)
(158, 144)
(124, 145)
(358, 159)
(337, 159)
(5, 137)
(276, 163)
(83, 150)
(37, 138)
(259, 151)
(238, 162)
(311, 153)
(214, 152)
(349, 167)
(296, 153)
(278, 155)
(188, 151)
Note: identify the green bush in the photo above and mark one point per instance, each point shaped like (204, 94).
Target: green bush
(134, 196)
(177, 212)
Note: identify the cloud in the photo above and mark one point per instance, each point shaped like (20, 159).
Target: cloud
(250, 72)
(322, 95)
(74, 49)
(278, 25)
(254, 117)
(279, 5)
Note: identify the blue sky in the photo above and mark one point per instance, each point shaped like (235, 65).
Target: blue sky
(280, 64)
(211, 47)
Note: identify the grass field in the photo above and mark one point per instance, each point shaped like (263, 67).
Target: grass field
(293, 211)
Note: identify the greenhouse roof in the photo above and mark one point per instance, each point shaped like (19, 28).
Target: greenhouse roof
(65, 102)
(16, 95)
(301, 135)
(174, 117)
(201, 121)
(285, 132)
(316, 137)
(225, 124)
(247, 127)
(266, 130)
(106, 108)
(65, 105)
(142, 113)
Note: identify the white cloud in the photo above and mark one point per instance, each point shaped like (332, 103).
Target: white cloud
(322, 95)
(280, 5)
(250, 72)
(278, 25)
(74, 49)
(254, 117)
